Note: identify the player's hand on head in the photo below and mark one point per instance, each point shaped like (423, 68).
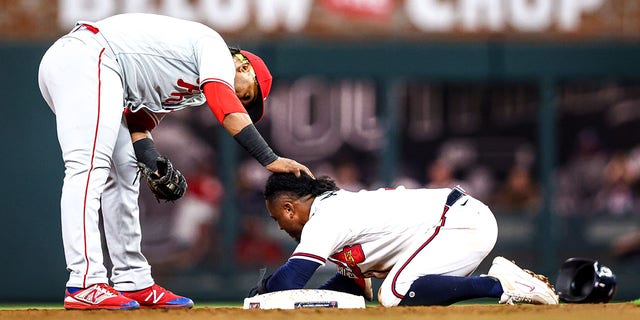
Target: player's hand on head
(285, 165)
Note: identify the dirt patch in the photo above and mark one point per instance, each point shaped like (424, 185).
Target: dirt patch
(619, 311)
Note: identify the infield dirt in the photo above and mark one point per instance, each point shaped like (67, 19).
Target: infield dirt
(617, 311)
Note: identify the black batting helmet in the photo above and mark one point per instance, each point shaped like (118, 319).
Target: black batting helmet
(582, 280)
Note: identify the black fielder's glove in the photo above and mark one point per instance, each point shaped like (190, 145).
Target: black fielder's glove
(168, 184)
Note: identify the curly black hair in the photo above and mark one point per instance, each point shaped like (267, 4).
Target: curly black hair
(288, 183)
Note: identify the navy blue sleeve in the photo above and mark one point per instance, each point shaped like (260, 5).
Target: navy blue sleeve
(292, 275)
(343, 284)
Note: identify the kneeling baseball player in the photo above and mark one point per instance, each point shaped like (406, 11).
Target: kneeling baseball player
(425, 243)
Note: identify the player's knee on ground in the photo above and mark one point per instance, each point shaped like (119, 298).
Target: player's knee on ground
(387, 298)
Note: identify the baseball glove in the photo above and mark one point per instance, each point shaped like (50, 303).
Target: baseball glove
(168, 184)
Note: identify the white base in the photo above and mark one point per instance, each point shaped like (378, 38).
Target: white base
(305, 298)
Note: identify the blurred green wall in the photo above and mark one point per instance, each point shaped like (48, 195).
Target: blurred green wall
(32, 256)
(33, 265)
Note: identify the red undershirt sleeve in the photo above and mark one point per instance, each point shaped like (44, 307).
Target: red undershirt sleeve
(142, 119)
(221, 99)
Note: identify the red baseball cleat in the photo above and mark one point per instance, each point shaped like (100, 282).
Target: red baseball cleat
(158, 297)
(97, 296)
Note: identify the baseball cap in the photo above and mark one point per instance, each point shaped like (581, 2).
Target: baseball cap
(256, 110)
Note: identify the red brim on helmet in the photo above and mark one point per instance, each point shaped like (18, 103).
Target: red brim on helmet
(264, 78)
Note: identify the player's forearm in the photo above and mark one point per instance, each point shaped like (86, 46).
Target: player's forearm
(239, 125)
(139, 135)
(146, 152)
(144, 147)
(292, 275)
(235, 122)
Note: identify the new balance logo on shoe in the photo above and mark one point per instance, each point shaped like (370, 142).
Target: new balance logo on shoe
(156, 297)
(94, 295)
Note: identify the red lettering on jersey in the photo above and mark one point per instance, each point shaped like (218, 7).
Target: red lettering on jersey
(189, 86)
(351, 256)
(177, 96)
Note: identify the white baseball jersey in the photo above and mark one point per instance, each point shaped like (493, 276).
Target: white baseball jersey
(164, 61)
(398, 234)
(87, 78)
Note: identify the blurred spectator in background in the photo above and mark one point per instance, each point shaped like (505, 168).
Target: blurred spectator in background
(480, 183)
(616, 195)
(440, 175)
(255, 248)
(580, 179)
(196, 216)
(250, 180)
(324, 168)
(347, 176)
(457, 163)
(519, 193)
(405, 179)
(179, 235)
(627, 245)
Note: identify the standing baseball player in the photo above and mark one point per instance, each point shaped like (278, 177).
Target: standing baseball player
(425, 243)
(146, 65)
